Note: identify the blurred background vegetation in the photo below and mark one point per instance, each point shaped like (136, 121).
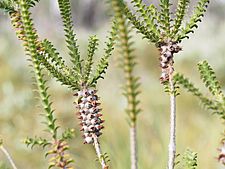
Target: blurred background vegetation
(197, 128)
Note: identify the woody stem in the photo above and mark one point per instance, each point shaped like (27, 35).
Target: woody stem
(172, 143)
(133, 147)
(99, 153)
(8, 157)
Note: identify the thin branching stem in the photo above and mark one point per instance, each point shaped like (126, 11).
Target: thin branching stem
(99, 153)
(172, 143)
(167, 51)
(8, 156)
(133, 147)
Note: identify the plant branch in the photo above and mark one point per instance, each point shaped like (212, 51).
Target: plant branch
(172, 143)
(133, 147)
(131, 87)
(99, 153)
(8, 156)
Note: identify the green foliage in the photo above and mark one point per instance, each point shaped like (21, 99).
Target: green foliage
(217, 102)
(7, 5)
(45, 54)
(165, 16)
(56, 66)
(59, 156)
(131, 88)
(37, 141)
(31, 39)
(157, 25)
(32, 3)
(92, 47)
(174, 91)
(208, 103)
(148, 15)
(209, 78)
(196, 17)
(3, 165)
(68, 134)
(10, 6)
(43, 91)
(104, 157)
(70, 81)
(179, 78)
(65, 11)
(103, 64)
(53, 56)
(34, 50)
(180, 13)
(190, 159)
(147, 32)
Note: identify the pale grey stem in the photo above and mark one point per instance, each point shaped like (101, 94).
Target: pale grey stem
(133, 147)
(8, 157)
(99, 153)
(172, 144)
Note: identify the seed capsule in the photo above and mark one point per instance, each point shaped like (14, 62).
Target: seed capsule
(89, 114)
(167, 50)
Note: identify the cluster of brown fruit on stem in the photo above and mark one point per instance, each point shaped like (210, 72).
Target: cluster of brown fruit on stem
(89, 114)
(167, 50)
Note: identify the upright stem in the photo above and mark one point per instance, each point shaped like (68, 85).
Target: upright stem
(99, 153)
(8, 157)
(167, 50)
(133, 147)
(172, 143)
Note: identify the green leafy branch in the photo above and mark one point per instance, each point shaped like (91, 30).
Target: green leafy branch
(209, 78)
(198, 13)
(210, 104)
(190, 159)
(103, 63)
(157, 25)
(217, 101)
(65, 12)
(164, 19)
(8, 5)
(92, 47)
(151, 32)
(180, 13)
(27, 33)
(131, 88)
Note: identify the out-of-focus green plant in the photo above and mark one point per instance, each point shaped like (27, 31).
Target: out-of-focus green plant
(131, 87)
(190, 160)
(159, 27)
(3, 166)
(8, 156)
(215, 103)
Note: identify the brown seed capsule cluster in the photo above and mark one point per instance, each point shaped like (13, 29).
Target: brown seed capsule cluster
(60, 158)
(17, 24)
(89, 114)
(221, 157)
(167, 51)
(19, 29)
